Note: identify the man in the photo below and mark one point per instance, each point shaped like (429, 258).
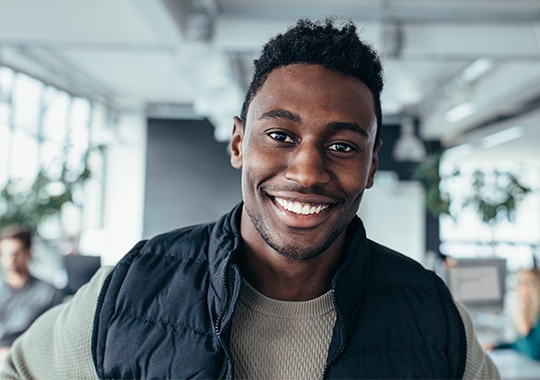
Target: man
(23, 297)
(286, 285)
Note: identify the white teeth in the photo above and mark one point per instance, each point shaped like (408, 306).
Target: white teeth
(300, 208)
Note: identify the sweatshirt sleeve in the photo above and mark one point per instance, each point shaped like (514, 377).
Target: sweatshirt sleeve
(478, 365)
(58, 344)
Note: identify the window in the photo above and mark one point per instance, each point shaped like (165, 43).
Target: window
(42, 129)
(466, 236)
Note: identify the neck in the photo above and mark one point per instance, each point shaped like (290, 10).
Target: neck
(16, 280)
(283, 278)
(292, 282)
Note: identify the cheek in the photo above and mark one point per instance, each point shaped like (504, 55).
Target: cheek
(357, 179)
(258, 165)
(250, 176)
(19, 262)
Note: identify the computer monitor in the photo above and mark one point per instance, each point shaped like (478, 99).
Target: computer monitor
(478, 282)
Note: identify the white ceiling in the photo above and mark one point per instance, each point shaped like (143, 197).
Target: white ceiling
(142, 53)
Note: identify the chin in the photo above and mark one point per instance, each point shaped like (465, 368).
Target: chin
(291, 248)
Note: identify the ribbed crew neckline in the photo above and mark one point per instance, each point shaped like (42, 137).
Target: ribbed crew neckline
(260, 303)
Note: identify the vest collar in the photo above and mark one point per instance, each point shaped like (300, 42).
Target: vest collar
(348, 282)
(350, 279)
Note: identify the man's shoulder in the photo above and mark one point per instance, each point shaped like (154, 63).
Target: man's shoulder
(181, 241)
(195, 239)
(388, 263)
(388, 256)
(185, 235)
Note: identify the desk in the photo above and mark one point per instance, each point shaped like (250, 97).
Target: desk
(513, 365)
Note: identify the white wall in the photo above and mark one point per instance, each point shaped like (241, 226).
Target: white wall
(121, 218)
(393, 214)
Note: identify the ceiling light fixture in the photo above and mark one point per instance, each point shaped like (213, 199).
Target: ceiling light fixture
(199, 26)
(459, 151)
(501, 137)
(459, 112)
(409, 147)
(392, 39)
(476, 69)
(3, 97)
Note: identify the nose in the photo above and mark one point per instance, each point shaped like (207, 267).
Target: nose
(307, 165)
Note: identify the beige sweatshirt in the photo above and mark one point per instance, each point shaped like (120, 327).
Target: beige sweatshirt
(62, 337)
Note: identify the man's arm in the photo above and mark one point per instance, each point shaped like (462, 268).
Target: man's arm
(58, 344)
(479, 365)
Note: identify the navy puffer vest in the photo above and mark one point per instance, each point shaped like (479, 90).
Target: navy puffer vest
(165, 311)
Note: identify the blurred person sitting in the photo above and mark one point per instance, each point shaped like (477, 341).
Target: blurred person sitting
(23, 298)
(527, 315)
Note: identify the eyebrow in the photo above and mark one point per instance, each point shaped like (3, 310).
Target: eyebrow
(281, 114)
(347, 126)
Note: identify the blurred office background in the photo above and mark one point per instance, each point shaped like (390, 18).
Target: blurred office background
(118, 113)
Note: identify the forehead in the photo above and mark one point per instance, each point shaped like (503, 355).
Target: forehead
(10, 245)
(315, 90)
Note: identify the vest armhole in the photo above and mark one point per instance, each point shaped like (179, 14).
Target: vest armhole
(454, 316)
(96, 339)
(101, 317)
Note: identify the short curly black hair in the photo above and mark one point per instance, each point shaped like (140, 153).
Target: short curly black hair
(320, 43)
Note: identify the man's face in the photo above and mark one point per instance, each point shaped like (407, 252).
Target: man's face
(14, 256)
(306, 154)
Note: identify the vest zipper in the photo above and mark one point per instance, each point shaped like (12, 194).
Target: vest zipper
(339, 320)
(218, 327)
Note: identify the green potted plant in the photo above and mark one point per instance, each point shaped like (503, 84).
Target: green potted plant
(494, 194)
(44, 198)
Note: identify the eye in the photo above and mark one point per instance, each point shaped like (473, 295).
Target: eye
(280, 136)
(341, 147)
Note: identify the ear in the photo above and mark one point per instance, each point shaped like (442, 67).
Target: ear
(374, 164)
(236, 143)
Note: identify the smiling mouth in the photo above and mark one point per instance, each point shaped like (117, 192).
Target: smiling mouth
(301, 208)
